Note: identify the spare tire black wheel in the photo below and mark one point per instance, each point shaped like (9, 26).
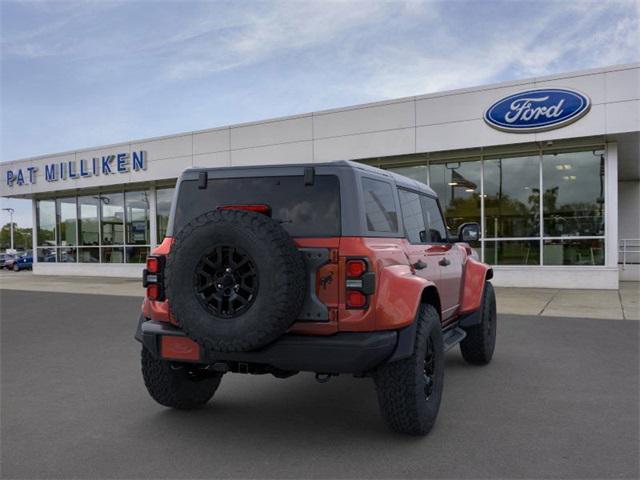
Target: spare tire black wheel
(235, 280)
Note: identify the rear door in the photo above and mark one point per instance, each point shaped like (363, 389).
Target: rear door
(425, 265)
(445, 254)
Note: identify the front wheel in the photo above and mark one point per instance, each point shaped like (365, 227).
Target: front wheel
(478, 346)
(16, 268)
(178, 385)
(410, 390)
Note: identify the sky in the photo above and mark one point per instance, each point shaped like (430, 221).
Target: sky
(87, 73)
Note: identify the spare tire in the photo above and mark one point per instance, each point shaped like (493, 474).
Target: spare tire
(235, 280)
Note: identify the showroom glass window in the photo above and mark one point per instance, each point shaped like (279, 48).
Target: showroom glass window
(138, 233)
(67, 217)
(563, 226)
(88, 229)
(46, 230)
(512, 210)
(163, 209)
(458, 187)
(573, 207)
(512, 197)
(112, 227)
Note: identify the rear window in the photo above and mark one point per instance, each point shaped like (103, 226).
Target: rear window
(303, 210)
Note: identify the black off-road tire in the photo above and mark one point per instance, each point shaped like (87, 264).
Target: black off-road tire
(175, 385)
(402, 386)
(478, 346)
(281, 280)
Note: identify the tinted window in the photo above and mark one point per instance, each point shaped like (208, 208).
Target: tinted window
(437, 232)
(163, 208)
(303, 210)
(573, 196)
(412, 216)
(379, 205)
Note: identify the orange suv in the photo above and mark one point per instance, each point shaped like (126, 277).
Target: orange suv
(328, 268)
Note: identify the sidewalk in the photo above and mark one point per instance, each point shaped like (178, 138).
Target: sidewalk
(623, 304)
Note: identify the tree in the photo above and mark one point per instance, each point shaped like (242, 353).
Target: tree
(21, 237)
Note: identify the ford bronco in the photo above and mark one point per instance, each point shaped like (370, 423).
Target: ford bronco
(327, 268)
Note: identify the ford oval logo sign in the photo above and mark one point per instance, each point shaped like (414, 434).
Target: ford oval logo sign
(537, 110)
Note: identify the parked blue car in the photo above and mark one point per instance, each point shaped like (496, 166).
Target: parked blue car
(24, 262)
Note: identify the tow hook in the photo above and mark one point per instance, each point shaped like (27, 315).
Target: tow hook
(323, 377)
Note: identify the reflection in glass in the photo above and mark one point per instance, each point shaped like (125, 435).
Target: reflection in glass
(379, 206)
(46, 255)
(112, 218)
(67, 213)
(417, 172)
(574, 252)
(137, 254)
(573, 199)
(512, 252)
(436, 229)
(137, 217)
(458, 187)
(112, 255)
(512, 197)
(88, 220)
(163, 208)
(89, 255)
(412, 216)
(46, 219)
(67, 255)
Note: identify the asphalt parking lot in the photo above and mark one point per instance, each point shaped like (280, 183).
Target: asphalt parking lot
(560, 400)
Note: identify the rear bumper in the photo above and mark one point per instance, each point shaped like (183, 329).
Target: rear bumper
(339, 353)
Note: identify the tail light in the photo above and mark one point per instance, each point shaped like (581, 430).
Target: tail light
(152, 278)
(360, 283)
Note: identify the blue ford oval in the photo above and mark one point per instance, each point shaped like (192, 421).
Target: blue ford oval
(537, 110)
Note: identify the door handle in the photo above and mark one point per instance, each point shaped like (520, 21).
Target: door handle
(419, 265)
(444, 262)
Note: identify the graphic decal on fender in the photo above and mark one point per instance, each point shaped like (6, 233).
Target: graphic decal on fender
(537, 110)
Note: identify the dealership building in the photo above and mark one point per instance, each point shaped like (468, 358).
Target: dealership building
(549, 166)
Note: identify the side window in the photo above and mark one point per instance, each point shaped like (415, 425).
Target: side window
(412, 216)
(380, 208)
(436, 230)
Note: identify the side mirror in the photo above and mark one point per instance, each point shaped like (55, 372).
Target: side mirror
(469, 232)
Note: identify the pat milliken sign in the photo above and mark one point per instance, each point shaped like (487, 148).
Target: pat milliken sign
(105, 165)
(537, 110)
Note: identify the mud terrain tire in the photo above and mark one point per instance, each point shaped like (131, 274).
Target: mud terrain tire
(177, 385)
(408, 400)
(478, 346)
(265, 275)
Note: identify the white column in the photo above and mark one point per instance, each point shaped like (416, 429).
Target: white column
(153, 217)
(34, 231)
(611, 205)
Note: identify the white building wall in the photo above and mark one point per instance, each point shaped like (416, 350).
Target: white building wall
(429, 123)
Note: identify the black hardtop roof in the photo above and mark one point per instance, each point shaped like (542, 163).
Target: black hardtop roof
(265, 170)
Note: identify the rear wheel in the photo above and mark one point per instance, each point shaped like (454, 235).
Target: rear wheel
(178, 385)
(410, 390)
(478, 346)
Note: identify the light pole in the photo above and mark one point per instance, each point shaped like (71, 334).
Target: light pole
(11, 211)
